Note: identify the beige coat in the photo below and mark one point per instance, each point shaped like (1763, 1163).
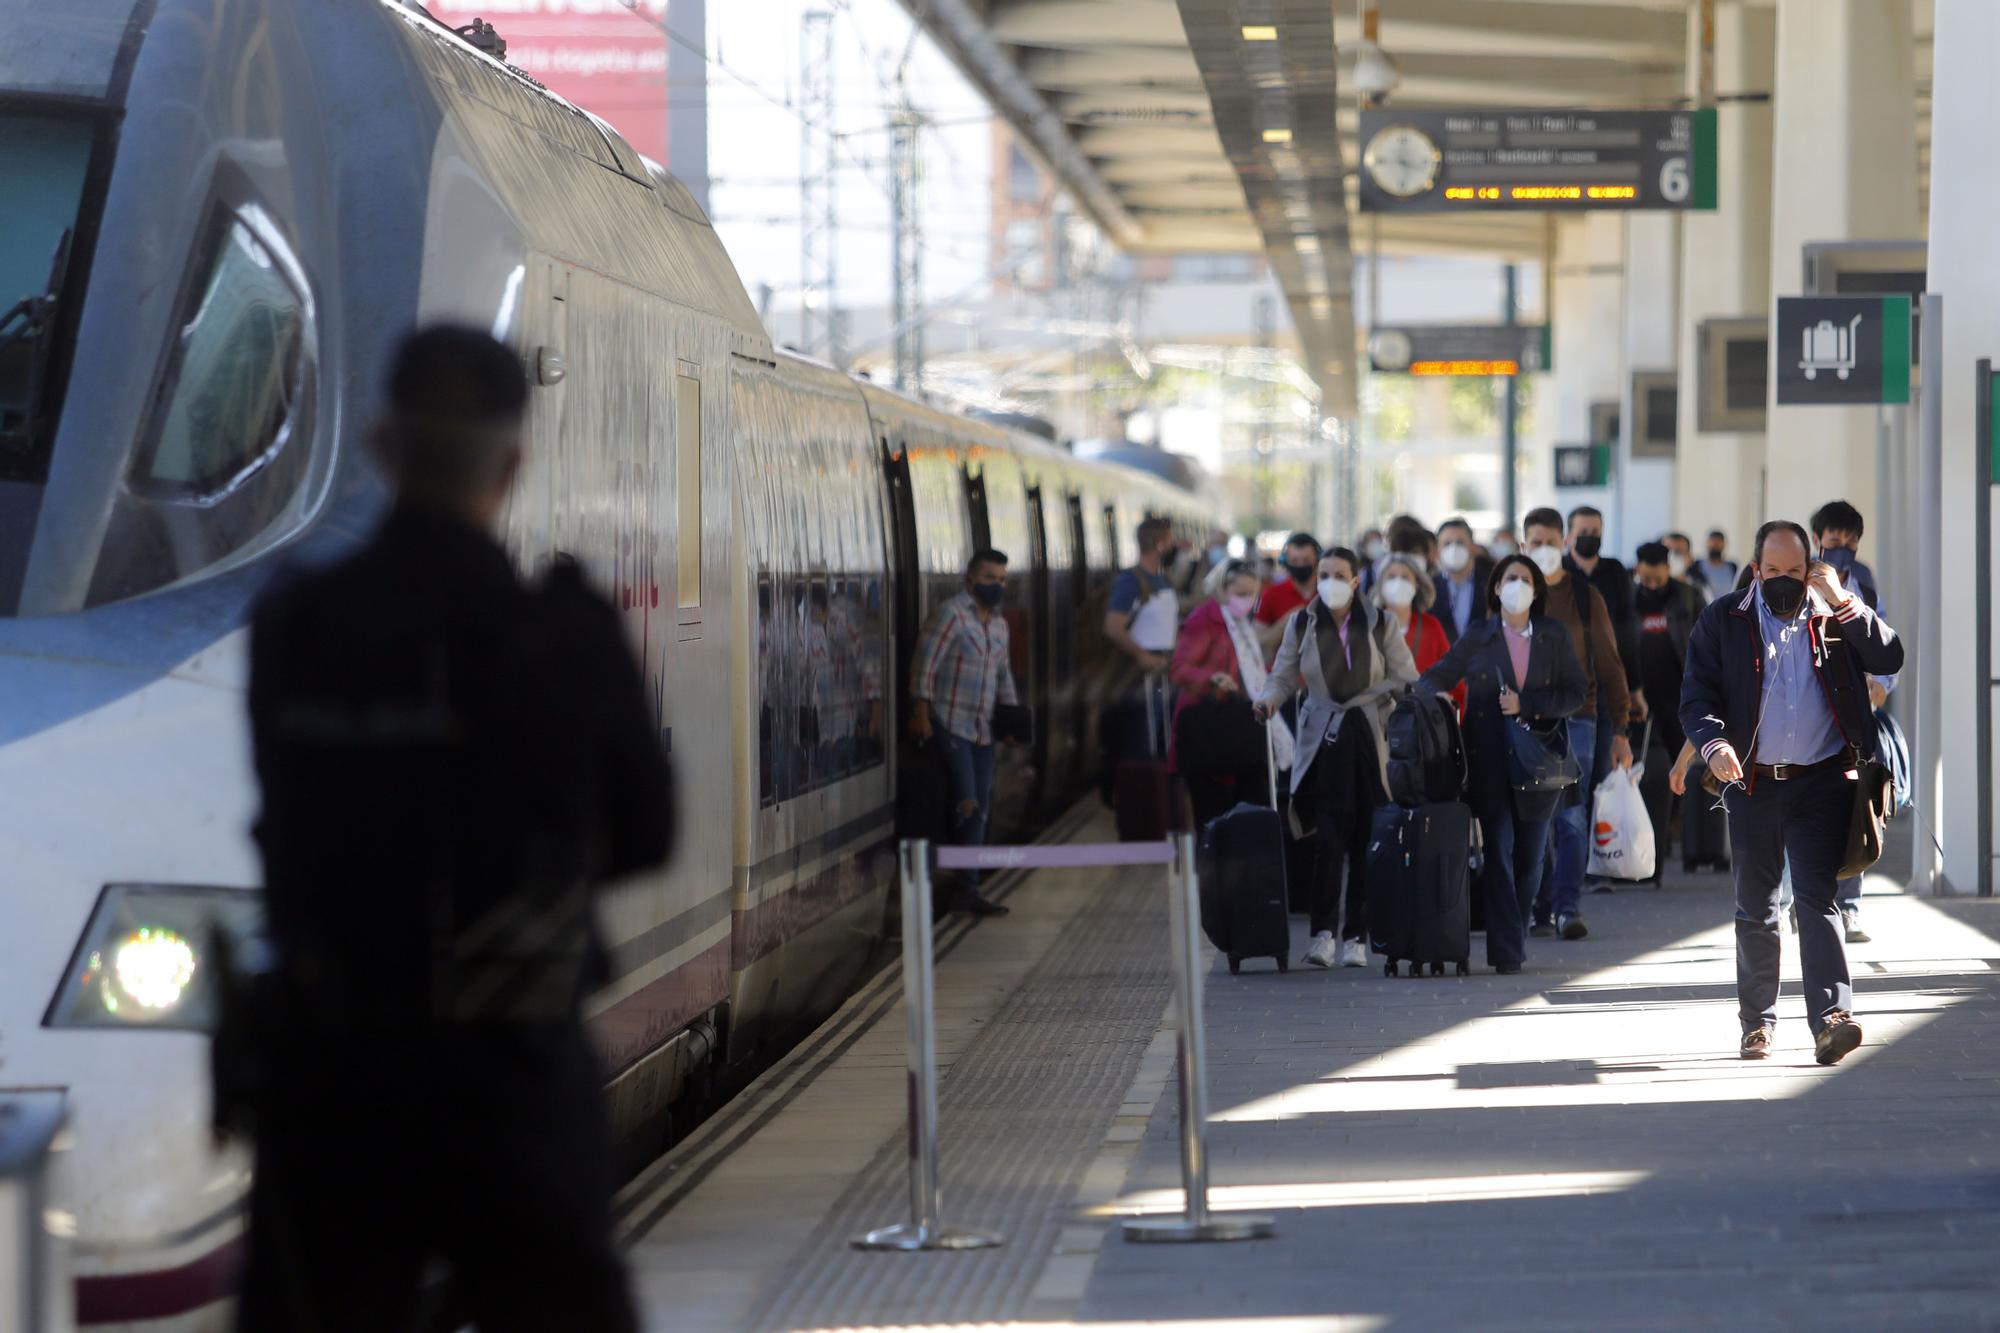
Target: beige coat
(1391, 669)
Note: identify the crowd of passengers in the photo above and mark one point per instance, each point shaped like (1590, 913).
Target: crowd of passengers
(1317, 641)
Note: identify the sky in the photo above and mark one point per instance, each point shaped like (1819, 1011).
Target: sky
(612, 61)
(754, 148)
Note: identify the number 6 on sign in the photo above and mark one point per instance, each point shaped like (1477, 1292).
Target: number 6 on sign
(1674, 180)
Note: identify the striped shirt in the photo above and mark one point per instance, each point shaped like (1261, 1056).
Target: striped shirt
(961, 667)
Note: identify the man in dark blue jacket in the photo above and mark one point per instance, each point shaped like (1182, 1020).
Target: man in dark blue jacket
(1775, 698)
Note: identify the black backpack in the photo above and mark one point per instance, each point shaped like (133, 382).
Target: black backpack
(1426, 751)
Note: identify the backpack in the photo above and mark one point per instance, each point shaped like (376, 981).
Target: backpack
(1426, 751)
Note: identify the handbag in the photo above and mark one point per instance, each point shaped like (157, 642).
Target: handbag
(1540, 762)
(1872, 797)
(1014, 723)
(1219, 736)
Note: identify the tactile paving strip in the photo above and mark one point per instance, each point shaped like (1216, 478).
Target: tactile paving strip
(1022, 1113)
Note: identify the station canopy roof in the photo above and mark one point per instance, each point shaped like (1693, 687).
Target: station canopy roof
(1186, 125)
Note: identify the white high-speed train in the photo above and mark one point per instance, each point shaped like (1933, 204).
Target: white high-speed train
(219, 215)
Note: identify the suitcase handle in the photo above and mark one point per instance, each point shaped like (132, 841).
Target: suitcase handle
(1271, 761)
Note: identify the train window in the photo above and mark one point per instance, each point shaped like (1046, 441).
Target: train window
(44, 161)
(687, 460)
(237, 378)
(227, 462)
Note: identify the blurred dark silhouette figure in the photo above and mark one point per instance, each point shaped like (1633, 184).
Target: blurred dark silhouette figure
(452, 761)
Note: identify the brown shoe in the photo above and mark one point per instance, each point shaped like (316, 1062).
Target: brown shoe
(1756, 1043)
(1840, 1035)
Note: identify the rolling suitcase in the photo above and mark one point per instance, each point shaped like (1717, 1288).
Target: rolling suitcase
(1142, 797)
(1421, 864)
(1242, 870)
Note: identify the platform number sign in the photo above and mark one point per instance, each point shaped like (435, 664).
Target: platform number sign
(1843, 349)
(1537, 160)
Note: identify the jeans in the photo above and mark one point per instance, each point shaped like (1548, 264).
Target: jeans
(1561, 894)
(1517, 858)
(971, 767)
(1803, 822)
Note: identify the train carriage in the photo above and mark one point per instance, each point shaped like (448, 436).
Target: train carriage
(224, 213)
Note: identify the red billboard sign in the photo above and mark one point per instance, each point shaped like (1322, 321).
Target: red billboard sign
(597, 53)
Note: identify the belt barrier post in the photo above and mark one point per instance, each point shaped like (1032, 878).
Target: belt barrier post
(925, 1230)
(1184, 915)
(35, 1289)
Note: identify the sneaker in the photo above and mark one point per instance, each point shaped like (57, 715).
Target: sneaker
(1840, 1035)
(1572, 928)
(1855, 934)
(1543, 930)
(1354, 953)
(1756, 1044)
(1324, 952)
(1600, 886)
(1507, 969)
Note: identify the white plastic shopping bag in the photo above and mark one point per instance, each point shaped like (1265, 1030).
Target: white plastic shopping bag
(1621, 833)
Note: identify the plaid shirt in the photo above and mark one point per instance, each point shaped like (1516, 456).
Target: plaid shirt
(961, 667)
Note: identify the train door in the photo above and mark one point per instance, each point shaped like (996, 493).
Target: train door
(1049, 783)
(904, 575)
(542, 338)
(975, 505)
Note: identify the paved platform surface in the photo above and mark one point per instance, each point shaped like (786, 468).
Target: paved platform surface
(1577, 1147)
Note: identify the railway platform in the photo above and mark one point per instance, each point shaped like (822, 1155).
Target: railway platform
(1576, 1147)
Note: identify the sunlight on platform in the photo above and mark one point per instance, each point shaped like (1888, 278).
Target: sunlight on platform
(1659, 1027)
(1362, 1193)
(1285, 1323)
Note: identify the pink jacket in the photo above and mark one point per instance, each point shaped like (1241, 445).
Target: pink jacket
(1201, 652)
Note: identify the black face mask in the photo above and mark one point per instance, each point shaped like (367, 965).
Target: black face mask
(1587, 546)
(1649, 599)
(1300, 573)
(1784, 595)
(989, 595)
(1715, 554)
(1168, 556)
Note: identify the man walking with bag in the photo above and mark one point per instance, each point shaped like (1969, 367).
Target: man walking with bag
(1775, 698)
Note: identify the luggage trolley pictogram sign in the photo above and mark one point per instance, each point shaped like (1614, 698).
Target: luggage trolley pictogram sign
(1830, 347)
(1842, 349)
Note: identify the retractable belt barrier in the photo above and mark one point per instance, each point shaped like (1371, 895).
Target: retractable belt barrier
(34, 1273)
(926, 1229)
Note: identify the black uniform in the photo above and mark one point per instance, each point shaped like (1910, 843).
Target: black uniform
(450, 762)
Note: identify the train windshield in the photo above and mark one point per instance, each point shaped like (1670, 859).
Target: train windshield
(44, 161)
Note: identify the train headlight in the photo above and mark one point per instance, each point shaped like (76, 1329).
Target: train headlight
(147, 957)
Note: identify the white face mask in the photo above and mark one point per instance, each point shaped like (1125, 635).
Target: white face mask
(1677, 564)
(1500, 548)
(1375, 548)
(1454, 557)
(1517, 596)
(1399, 592)
(1548, 559)
(1336, 593)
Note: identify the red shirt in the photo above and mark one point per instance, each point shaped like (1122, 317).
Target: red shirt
(1279, 600)
(1431, 649)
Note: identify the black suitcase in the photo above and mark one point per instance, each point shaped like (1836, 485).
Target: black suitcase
(1243, 886)
(1421, 864)
(1242, 873)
